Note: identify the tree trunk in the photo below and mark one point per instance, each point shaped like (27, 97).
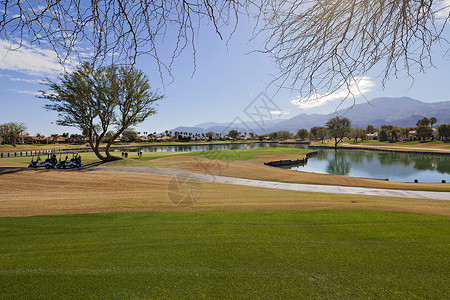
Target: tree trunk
(108, 154)
(96, 151)
(110, 142)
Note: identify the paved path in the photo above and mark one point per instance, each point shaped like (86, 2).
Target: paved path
(284, 186)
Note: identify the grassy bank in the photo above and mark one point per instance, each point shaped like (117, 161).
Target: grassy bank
(246, 154)
(413, 146)
(226, 155)
(316, 254)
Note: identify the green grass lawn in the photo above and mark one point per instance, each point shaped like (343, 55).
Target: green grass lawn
(230, 155)
(314, 254)
(245, 154)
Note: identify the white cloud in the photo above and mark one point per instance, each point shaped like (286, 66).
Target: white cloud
(32, 93)
(356, 88)
(28, 59)
(279, 112)
(443, 8)
(28, 80)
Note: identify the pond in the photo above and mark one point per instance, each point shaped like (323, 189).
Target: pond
(395, 166)
(190, 148)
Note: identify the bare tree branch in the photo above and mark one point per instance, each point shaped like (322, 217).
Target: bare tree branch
(322, 45)
(116, 31)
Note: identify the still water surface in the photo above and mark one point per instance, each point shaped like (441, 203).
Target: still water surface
(403, 167)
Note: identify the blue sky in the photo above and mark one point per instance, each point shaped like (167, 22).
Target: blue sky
(226, 80)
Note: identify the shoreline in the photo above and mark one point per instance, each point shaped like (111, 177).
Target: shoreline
(407, 150)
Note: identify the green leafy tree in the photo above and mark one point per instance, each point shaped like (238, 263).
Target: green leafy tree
(129, 135)
(371, 129)
(234, 134)
(273, 136)
(444, 131)
(284, 135)
(301, 134)
(383, 135)
(108, 135)
(53, 137)
(322, 133)
(264, 137)
(76, 138)
(11, 132)
(404, 133)
(96, 100)
(210, 135)
(394, 133)
(357, 133)
(391, 133)
(339, 128)
(424, 132)
(313, 132)
(423, 122)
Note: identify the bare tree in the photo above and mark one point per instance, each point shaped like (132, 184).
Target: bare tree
(116, 31)
(323, 46)
(319, 45)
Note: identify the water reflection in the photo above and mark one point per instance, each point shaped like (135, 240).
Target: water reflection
(339, 165)
(370, 164)
(190, 148)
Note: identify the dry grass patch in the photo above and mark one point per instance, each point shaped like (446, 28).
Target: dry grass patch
(41, 192)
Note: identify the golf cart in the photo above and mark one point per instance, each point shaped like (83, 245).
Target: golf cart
(49, 163)
(34, 163)
(74, 162)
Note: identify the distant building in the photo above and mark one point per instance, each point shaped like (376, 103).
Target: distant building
(144, 139)
(164, 138)
(29, 139)
(372, 136)
(62, 140)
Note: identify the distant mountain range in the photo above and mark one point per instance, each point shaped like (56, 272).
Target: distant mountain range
(402, 112)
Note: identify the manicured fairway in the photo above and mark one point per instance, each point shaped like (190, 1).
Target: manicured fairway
(246, 154)
(309, 254)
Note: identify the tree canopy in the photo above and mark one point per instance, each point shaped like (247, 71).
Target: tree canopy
(10, 132)
(99, 100)
(338, 128)
(301, 134)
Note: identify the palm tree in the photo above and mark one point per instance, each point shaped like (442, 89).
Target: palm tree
(433, 121)
(404, 132)
(423, 122)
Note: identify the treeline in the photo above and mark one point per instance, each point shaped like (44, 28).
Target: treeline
(336, 128)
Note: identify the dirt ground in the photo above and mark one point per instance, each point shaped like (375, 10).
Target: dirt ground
(26, 192)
